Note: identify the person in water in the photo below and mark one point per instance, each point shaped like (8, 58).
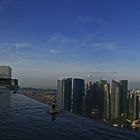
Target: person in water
(53, 106)
(53, 109)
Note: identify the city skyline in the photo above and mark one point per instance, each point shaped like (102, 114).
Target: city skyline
(45, 40)
(98, 99)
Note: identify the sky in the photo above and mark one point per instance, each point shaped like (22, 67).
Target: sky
(46, 40)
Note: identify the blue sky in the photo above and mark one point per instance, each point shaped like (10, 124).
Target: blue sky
(44, 40)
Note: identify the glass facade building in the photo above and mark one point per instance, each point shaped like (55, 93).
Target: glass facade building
(78, 93)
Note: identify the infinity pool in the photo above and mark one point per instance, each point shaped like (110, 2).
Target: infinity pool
(22, 118)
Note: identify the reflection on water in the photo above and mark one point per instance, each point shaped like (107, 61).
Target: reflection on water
(22, 118)
(5, 100)
(136, 129)
(53, 117)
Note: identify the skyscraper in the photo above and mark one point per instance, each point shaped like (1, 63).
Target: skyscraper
(123, 96)
(86, 106)
(115, 99)
(130, 106)
(67, 93)
(101, 97)
(136, 105)
(95, 100)
(59, 95)
(78, 93)
(107, 101)
(64, 93)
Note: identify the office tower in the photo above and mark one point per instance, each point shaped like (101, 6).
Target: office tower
(130, 106)
(64, 93)
(107, 101)
(123, 96)
(137, 107)
(115, 99)
(86, 106)
(90, 94)
(59, 95)
(67, 93)
(101, 97)
(78, 93)
(134, 117)
(5, 72)
(96, 89)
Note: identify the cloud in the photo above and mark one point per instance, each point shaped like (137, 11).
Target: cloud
(17, 45)
(104, 46)
(41, 61)
(91, 19)
(54, 51)
(74, 50)
(58, 40)
(14, 47)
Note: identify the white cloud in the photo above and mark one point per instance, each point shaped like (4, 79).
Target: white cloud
(36, 65)
(104, 46)
(14, 47)
(58, 40)
(54, 51)
(17, 45)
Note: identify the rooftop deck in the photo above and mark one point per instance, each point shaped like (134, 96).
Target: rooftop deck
(22, 118)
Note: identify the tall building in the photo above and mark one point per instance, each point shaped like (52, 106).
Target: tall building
(6, 81)
(91, 100)
(123, 96)
(107, 101)
(130, 106)
(95, 99)
(86, 106)
(67, 93)
(64, 93)
(59, 95)
(137, 107)
(78, 93)
(115, 99)
(5, 72)
(101, 97)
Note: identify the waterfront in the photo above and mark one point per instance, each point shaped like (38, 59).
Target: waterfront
(24, 118)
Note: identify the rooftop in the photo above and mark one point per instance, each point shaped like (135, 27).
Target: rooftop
(24, 118)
